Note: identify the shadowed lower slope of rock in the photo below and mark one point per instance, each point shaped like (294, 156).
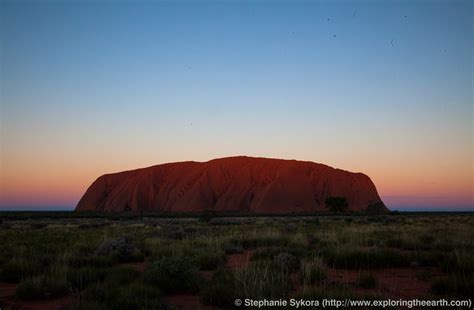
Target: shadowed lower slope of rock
(238, 184)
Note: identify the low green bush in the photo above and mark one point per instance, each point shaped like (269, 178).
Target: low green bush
(122, 248)
(173, 274)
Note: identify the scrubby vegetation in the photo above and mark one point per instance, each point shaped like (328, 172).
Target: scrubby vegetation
(138, 262)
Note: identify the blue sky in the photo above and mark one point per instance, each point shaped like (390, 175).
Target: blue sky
(381, 87)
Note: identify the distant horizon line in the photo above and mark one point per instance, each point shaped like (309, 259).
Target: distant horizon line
(399, 209)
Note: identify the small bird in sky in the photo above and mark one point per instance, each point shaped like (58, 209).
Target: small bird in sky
(391, 42)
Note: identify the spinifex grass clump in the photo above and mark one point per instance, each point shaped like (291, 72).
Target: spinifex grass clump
(313, 271)
(258, 281)
(263, 280)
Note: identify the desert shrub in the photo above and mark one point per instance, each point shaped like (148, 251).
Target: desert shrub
(210, 260)
(367, 281)
(286, 261)
(221, 290)
(313, 271)
(80, 278)
(122, 248)
(173, 274)
(357, 258)
(41, 287)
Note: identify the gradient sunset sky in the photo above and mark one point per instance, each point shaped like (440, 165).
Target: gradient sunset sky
(379, 87)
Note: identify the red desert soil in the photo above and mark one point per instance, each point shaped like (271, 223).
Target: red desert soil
(239, 184)
(239, 260)
(8, 300)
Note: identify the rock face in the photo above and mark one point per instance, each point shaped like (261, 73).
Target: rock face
(238, 184)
